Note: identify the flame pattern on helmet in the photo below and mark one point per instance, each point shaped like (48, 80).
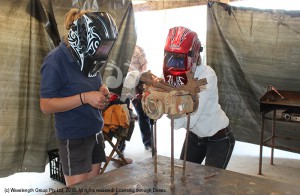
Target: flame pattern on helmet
(182, 40)
(177, 35)
(184, 44)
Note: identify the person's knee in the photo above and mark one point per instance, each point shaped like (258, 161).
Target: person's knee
(73, 179)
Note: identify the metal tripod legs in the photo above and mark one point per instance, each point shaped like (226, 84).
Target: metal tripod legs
(172, 150)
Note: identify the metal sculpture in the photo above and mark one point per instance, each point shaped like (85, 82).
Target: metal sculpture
(160, 98)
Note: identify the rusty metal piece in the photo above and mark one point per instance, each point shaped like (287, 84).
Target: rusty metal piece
(209, 176)
(179, 166)
(160, 98)
(272, 88)
(150, 79)
(176, 103)
(193, 87)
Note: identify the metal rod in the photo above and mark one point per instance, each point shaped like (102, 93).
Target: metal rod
(186, 146)
(172, 152)
(155, 148)
(155, 152)
(152, 136)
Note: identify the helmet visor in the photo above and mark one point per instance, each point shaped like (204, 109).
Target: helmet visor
(103, 50)
(175, 61)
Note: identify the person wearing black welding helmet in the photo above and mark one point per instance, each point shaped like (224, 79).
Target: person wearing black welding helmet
(91, 38)
(210, 135)
(72, 89)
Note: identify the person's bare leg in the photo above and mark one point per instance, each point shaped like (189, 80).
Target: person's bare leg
(95, 170)
(70, 180)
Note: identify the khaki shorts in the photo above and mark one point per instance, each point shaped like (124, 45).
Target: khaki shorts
(78, 155)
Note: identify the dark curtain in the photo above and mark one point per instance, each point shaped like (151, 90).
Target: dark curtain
(29, 30)
(251, 49)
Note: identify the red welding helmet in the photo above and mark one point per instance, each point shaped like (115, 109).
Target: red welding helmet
(181, 54)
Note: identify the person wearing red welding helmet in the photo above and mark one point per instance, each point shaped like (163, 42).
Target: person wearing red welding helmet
(210, 135)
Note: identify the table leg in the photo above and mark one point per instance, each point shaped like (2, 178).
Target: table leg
(261, 142)
(273, 137)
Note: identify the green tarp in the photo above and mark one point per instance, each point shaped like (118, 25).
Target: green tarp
(251, 49)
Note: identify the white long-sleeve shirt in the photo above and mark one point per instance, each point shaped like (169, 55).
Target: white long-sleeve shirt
(209, 118)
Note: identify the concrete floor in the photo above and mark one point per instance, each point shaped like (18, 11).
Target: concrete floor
(244, 160)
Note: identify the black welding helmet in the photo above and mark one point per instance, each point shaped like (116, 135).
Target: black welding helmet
(91, 38)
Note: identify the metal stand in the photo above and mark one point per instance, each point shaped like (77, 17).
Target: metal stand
(155, 152)
(172, 186)
(186, 147)
(172, 152)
